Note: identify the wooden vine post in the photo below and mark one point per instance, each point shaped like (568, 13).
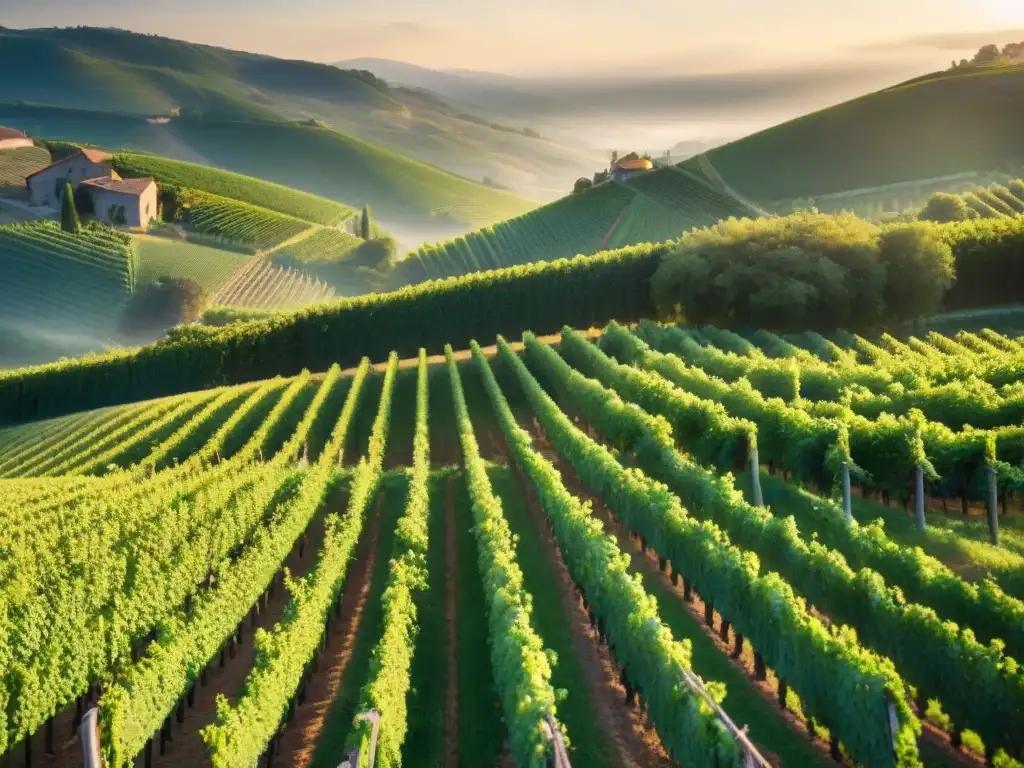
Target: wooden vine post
(755, 473)
(992, 504)
(919, 496)
(847, 500)
(89, 734)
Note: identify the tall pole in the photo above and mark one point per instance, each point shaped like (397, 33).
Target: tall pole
(919, 497)
(992, 508)
(847, 500)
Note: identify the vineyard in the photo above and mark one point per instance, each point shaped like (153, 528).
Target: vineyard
(238, 222)
(262, 285)
(622, 548)
(653, 207)
(16, 164)
(209, 266)
(246, 189)
(55, 280)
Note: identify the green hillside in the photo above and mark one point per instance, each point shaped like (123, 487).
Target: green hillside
(209, 266)
(650, 208)
(52, 280)
(246, 189)
(316, 160)
(944, 124)
(143, 75)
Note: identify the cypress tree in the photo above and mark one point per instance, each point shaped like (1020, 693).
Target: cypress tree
(69, 220)
(364, 224)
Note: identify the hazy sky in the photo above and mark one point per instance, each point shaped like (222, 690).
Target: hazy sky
(537, 37)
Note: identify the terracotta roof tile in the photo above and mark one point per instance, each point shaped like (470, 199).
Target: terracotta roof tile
(10, 133)
(96, 155)
(134, 187)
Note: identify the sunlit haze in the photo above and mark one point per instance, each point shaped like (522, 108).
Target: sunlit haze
(537, 37)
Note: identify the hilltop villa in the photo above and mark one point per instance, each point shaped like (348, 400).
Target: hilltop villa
(123, 202)
(629, 166)
(12, 139)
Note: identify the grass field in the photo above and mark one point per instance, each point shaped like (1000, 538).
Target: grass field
(209, 266)
(414, 500)
(943, 124)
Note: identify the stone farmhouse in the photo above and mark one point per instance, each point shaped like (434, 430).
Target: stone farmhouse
(117, 201)
(12, 139)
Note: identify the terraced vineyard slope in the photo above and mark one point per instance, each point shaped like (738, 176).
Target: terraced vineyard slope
(651, 208)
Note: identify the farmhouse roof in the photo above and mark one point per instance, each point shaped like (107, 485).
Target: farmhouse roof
(133, 187)
(10, 133)
(97, 156)
(642, 164)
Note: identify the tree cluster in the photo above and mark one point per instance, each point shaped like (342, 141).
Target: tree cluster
(168, 302)
(804, 272)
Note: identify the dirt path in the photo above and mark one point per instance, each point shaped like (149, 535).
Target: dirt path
(637, 744)
(451, 694)
(298, 741)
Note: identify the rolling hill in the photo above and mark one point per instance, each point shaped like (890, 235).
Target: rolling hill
(650, 208)
(943, 124)
(117, 71)
(404, 193)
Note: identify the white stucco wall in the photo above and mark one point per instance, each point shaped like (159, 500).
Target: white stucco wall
(138, 211)
(14, 143)
(42, 188)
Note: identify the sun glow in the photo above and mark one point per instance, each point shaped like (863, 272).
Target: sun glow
(1000, 11)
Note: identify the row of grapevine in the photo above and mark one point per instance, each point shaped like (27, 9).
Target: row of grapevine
(16, 164)
(680, 191)
(978, 686)
(262, 285)
(244, 728)
(652, 661)
(984, 608)
(133, 708)
(868, 390)
(522, 669)
(388, 684)
(239, 222)
(811, 659)
(577, 224)
(813, 444)
(582, 292)
(56, 652)
(54, 280)
(246, 189)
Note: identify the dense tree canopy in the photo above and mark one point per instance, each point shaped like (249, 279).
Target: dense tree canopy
(944, 207)
(169, 301)
(805, 271)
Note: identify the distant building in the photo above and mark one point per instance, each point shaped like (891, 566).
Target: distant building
(46, 187)
(628, 167)
(123, 202)
(12, 139)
